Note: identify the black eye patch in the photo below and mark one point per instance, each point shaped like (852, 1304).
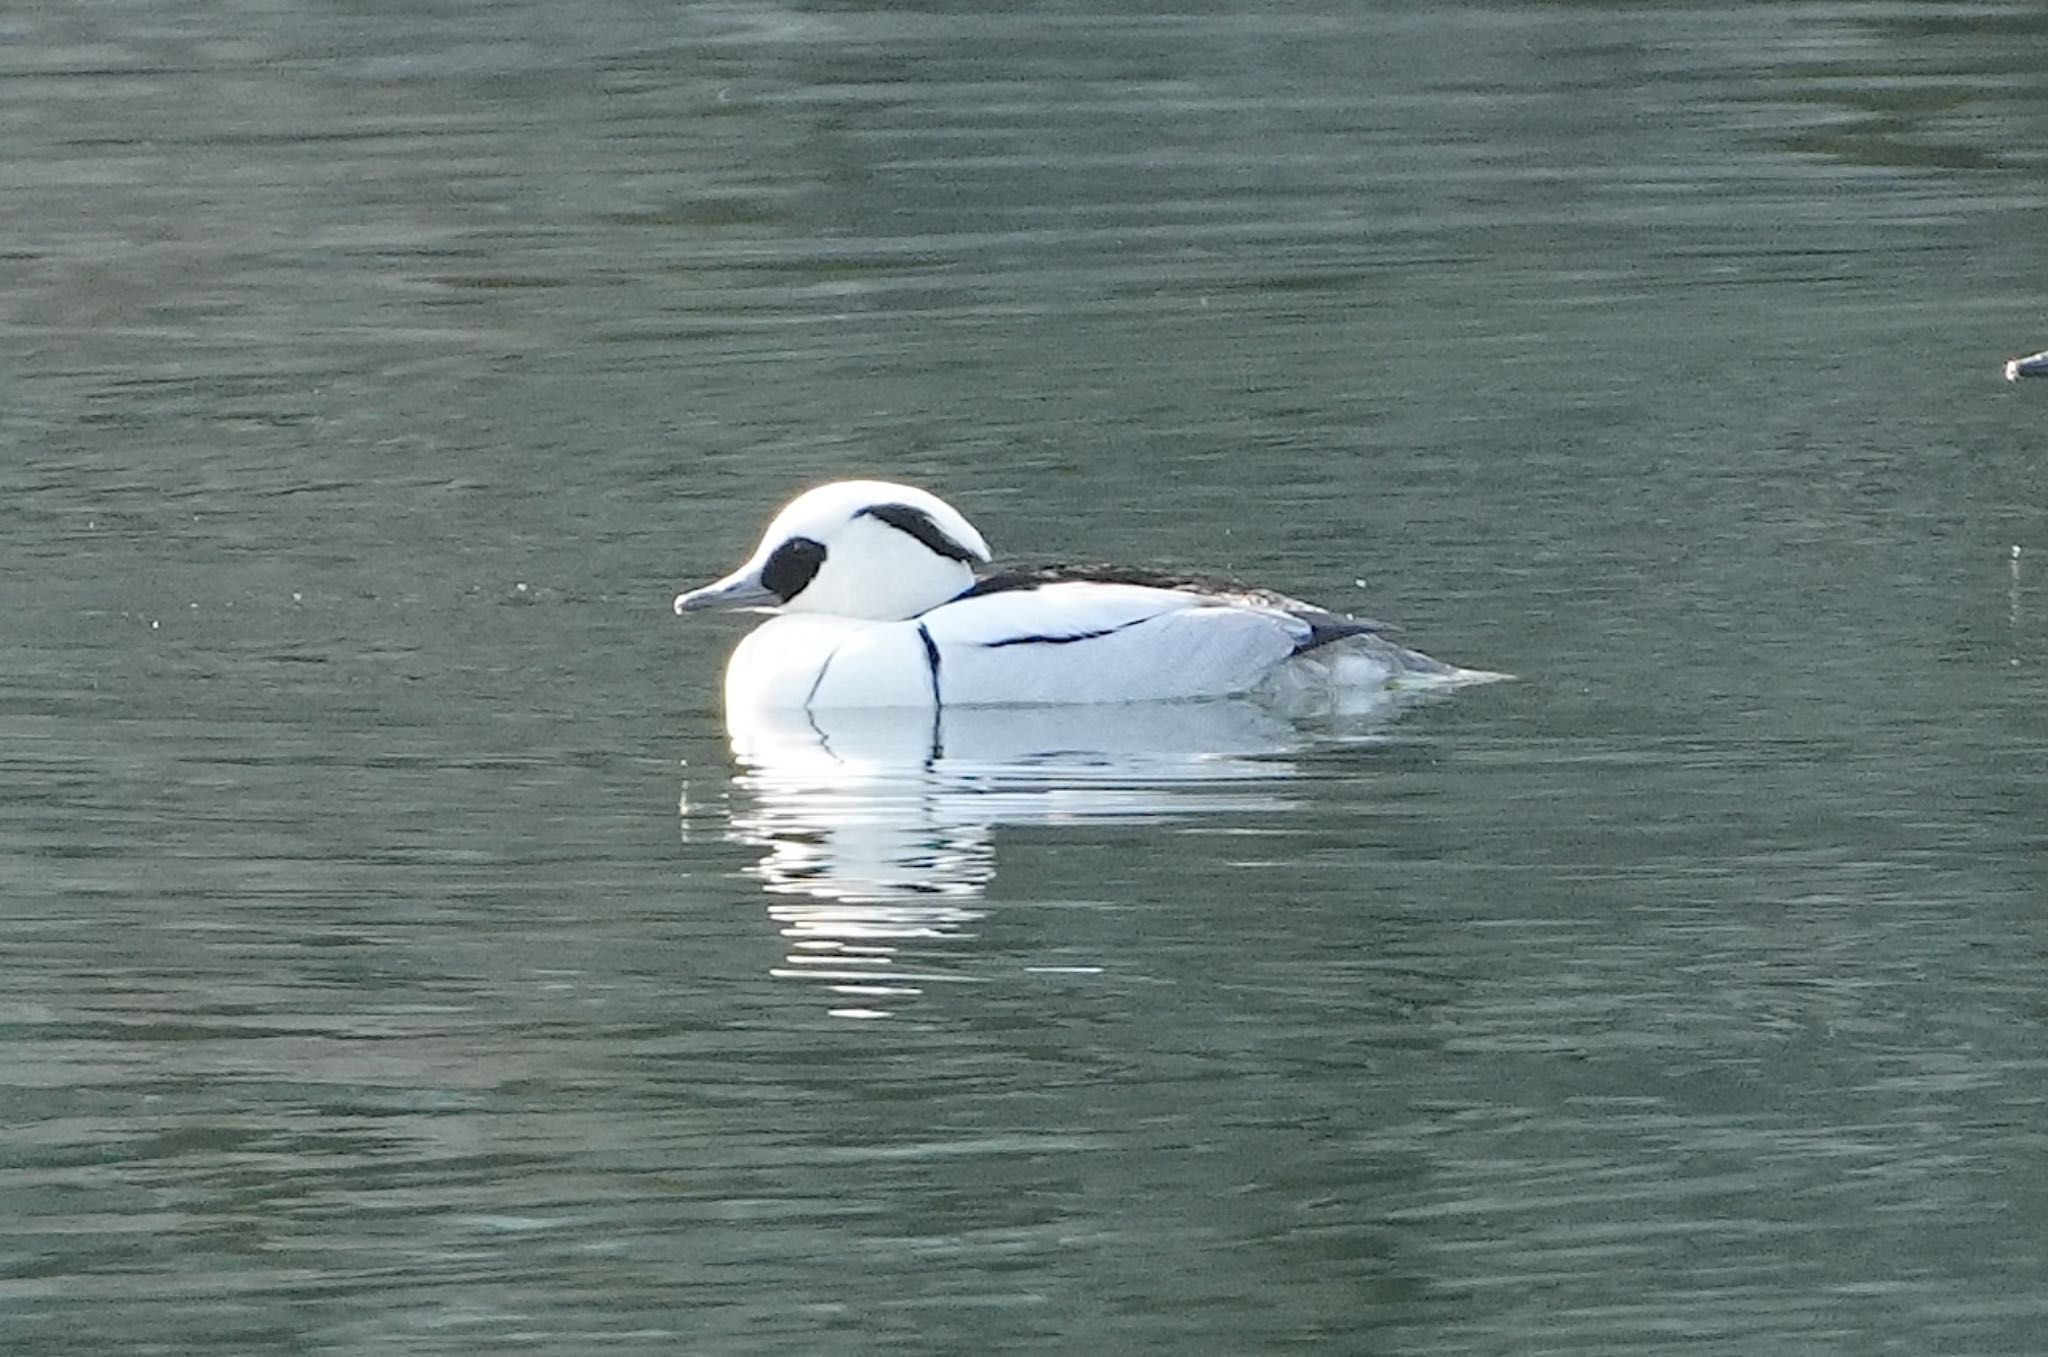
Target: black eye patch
(792, 566)
(919, 524)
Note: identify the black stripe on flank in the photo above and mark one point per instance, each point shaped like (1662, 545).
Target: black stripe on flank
(931, 657)
(1060, 640)
(923, 527)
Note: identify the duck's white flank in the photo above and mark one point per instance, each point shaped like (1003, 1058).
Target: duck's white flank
(878, 604)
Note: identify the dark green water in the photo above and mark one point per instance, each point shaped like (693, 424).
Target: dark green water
(396, 961)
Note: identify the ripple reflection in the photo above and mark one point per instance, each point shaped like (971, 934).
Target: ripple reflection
(877, 828)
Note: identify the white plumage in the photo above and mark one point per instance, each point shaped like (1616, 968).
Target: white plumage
(878, 605)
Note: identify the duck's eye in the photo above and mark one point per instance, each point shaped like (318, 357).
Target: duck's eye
(792, 566)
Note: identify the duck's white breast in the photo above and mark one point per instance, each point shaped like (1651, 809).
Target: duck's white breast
(806, 660)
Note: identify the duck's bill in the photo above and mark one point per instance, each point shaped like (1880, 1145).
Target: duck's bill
(2033, 365)
(740, 590)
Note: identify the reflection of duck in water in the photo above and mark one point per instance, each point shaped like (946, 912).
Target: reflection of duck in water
(880, 606)
(862, 805)
(878, 834)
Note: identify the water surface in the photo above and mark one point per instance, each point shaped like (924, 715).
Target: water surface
(399, 958)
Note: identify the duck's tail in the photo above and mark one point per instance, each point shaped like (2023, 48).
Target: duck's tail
(1365, 669)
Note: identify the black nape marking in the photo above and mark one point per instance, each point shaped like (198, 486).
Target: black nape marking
(792, 566)
(921, 525)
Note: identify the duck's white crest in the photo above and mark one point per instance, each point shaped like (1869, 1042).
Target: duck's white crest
(880, 606)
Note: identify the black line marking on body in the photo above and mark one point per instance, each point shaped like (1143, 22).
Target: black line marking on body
(1066, 640)
(931, 658)
(819, 681)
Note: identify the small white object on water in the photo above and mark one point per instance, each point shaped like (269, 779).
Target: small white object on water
(2012, 588)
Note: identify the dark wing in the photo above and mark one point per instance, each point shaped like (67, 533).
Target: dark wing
(1324, 626)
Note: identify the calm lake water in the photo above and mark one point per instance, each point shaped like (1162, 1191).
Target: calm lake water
(398, 959)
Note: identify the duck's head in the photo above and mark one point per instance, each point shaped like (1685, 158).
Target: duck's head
(864, 549)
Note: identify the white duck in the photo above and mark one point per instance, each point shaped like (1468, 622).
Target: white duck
(879, 604)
